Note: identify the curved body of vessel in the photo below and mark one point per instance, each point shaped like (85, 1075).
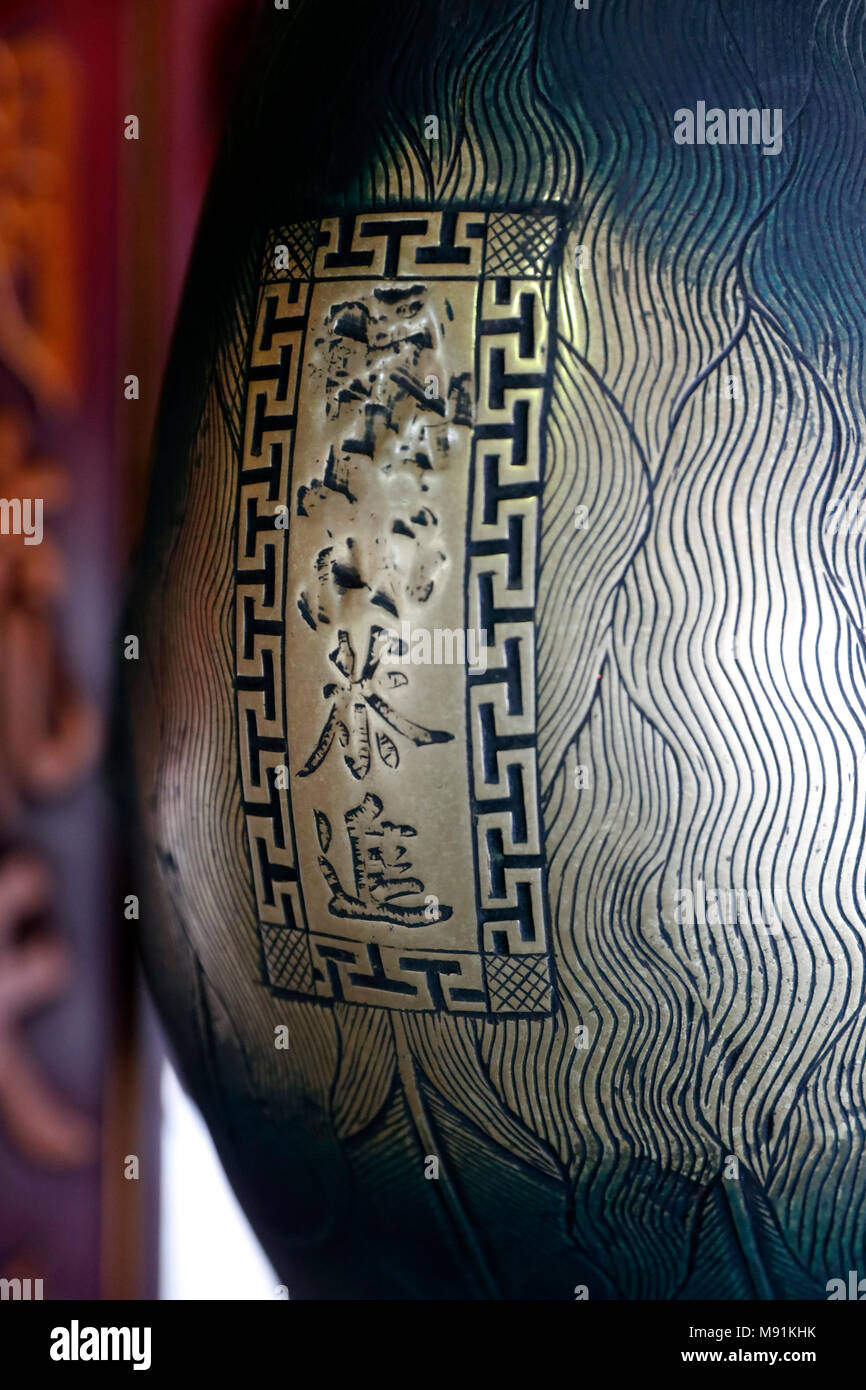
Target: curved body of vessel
(499, 719)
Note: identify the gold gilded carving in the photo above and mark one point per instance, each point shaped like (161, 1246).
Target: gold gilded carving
(387, 520)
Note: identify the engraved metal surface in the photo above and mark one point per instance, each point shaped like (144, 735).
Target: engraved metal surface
(388, 501)
(687, 1119)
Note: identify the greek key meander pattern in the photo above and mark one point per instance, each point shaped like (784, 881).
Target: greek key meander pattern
(339, 917)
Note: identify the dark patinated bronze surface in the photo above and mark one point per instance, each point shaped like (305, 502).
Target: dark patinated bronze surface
(499, 720)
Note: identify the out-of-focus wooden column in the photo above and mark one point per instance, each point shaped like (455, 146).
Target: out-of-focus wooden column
(58, 339)
(180, 63)
(94, 236)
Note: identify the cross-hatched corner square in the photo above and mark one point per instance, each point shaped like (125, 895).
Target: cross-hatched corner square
(518, 244)
(297, 248)
(287, 958)
(519, 984)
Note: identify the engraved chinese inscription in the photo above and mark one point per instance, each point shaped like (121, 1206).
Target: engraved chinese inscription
(384, 618)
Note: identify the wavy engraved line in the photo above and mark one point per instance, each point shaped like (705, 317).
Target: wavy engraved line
(621, 977)
(365, 1068)
(694, 673)
(589, 455)
(445, 1188)
(529, 1065)
(611, 1190)
(809, 471)
(446, 1050)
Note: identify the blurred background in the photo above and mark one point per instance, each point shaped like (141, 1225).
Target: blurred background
(109, 1188)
